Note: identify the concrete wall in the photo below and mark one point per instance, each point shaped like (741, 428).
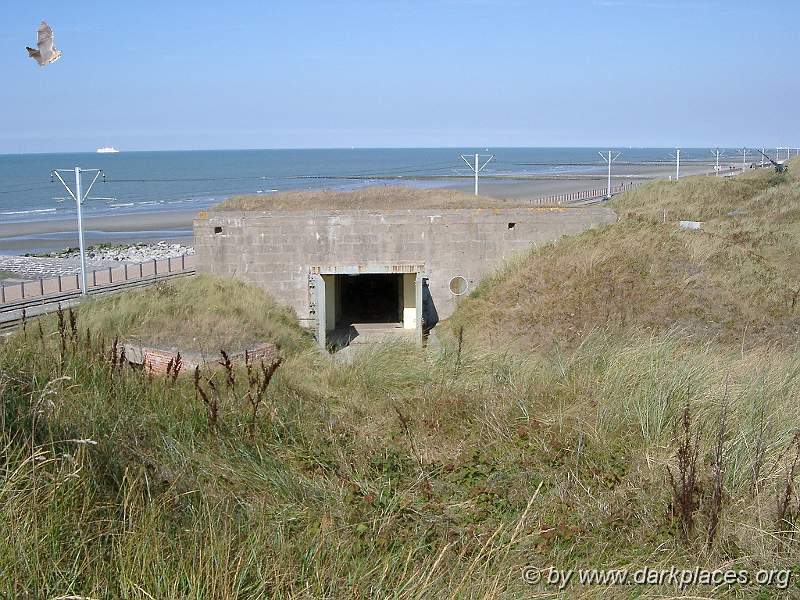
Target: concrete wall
(278, 250)
(409, 303)
(331, 301)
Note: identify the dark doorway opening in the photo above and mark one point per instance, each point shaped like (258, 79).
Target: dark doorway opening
(370, 298)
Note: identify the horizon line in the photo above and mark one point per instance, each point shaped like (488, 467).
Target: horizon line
(455, 148)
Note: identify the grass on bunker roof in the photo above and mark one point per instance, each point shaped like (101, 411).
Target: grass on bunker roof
(368, 198)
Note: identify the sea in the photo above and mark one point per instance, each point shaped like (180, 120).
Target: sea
(135, 182)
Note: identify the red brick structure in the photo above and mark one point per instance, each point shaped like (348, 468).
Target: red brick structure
(157, 360)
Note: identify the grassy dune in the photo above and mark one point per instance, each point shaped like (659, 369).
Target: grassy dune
(201, 314)
(735, 281)
(552, 438)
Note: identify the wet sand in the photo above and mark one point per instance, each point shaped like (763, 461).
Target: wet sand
(56, 234)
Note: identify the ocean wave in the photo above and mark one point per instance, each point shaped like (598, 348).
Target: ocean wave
(29, 212)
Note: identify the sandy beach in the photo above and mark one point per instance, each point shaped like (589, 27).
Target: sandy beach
(537, 186)
(48, 235)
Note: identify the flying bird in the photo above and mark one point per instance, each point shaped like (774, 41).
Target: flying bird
(46, 52)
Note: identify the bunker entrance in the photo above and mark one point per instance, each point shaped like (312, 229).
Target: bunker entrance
(371, 298)
(363, 307)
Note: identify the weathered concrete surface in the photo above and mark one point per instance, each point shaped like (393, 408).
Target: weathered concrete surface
(278, 250)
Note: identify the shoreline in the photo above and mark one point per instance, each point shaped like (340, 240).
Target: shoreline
(175, 226)
(47, 235)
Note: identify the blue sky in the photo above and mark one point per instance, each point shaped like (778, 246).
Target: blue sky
(198, 74)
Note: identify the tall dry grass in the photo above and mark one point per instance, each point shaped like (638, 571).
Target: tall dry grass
(407, 473)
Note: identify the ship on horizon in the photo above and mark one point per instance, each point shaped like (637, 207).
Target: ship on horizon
(107, 150)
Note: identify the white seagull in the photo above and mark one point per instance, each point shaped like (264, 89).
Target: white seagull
(46, 52)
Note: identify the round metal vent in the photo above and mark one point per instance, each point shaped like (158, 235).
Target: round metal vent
(459, 285)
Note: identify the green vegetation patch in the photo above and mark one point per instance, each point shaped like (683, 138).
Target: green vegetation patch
(200, 314)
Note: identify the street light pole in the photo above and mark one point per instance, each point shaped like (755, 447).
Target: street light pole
(477, 167)
(477, 157)
(79, 198)
(716, 153)
(610, 160)
(84, 287)
(677, 157)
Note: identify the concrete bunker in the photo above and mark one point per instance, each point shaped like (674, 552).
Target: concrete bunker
(377, 260)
